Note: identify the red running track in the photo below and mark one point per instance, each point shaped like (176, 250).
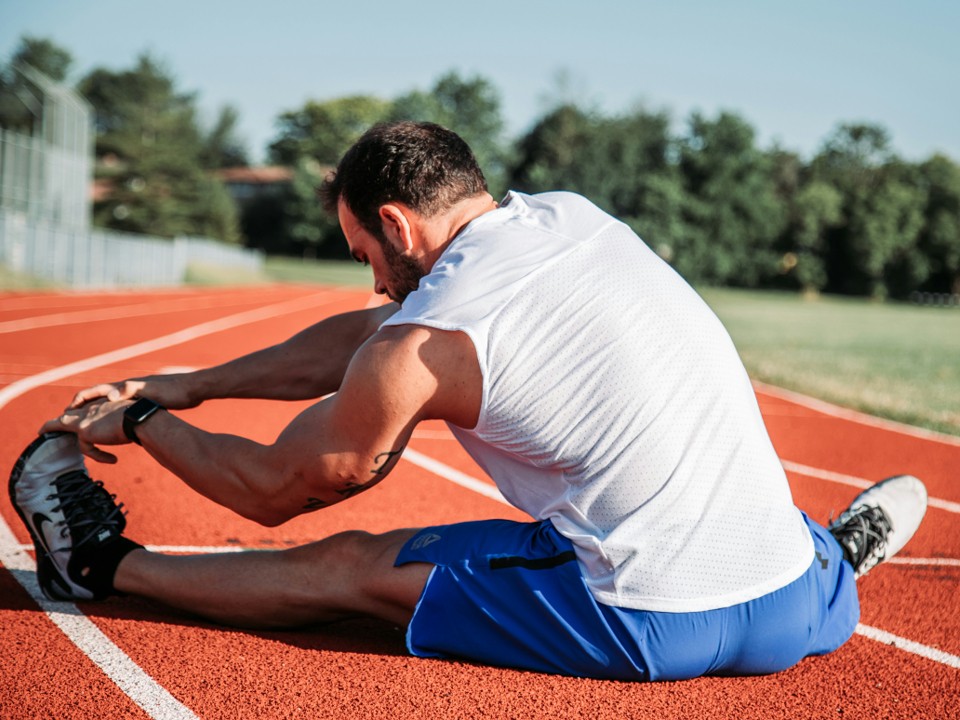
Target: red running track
(129, 658)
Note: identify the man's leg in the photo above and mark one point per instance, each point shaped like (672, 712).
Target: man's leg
(343, 576)
(82, 554)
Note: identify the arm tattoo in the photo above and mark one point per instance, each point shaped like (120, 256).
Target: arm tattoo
(351, 489)
(390, 456)
(389, 459)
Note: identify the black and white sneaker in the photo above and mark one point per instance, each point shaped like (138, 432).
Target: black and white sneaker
(72, 519)
(880, 521)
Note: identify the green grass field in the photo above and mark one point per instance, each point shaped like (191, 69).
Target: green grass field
(284, 269)
(892, 360)
(13, 281)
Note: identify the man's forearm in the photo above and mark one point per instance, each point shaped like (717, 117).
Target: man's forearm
(229, 470)
(309, 365)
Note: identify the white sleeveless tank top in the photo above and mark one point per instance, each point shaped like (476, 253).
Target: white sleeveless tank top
(615, 405)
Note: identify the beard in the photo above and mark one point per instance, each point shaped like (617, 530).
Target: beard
(405, 273)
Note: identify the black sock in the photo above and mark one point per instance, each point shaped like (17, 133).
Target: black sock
(96, 568)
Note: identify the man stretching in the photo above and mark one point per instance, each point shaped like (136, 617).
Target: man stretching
(578, 369)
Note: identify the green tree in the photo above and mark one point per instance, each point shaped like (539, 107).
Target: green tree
(324, 130)
(221, 148)
(44, 55)
(310, 140)
(308, 228)
(622, 163)
(818, 208)
(884, 231)
(875, 243)
(149, 144)
(619, 162)
(552, 156)
(20, 104)
(734, 217)
(939, 240)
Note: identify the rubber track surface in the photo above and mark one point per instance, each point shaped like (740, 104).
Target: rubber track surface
(185, 667)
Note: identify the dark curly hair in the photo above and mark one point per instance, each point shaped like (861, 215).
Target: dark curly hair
(422, 165)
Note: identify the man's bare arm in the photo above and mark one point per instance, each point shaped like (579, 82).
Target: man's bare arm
(338, 447)
(308, 365)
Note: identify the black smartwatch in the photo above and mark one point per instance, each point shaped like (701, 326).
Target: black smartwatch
(138, 413)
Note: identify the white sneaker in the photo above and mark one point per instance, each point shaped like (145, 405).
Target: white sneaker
(880, 521)
(64, 511)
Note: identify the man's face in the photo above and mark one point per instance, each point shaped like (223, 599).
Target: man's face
(395, 274)
(403, 272)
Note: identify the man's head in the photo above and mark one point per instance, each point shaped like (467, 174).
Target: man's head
(400, 192)
(421, 165)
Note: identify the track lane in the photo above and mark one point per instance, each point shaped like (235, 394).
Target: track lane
(326, 673)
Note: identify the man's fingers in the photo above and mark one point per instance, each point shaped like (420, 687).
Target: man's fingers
(105, 390)
(57, 424)
(95, 453)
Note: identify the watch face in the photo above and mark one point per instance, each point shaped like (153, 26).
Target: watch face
(142, 409)
(136, 414)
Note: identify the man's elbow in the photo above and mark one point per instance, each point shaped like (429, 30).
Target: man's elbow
(264, 515)
(268, 507)
(272, 521)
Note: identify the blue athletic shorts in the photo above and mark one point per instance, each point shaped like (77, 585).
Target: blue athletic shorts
(511, 594)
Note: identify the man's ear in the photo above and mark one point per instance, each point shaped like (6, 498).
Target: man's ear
(397, 226)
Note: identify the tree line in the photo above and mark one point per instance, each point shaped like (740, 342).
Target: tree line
(854, 219)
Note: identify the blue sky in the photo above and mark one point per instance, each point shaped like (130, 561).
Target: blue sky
(793, 70)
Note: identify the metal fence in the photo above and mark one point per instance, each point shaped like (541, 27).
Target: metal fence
(46, 174)
(941, 300)
(93, 258)
(45, 226)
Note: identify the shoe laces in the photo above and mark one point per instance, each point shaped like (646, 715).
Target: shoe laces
(88, 509)
(862, 532)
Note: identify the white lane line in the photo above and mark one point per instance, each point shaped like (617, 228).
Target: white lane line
(843, 413)
(914, 648)
(454, 475)
(937, 561)
(858, 482)
(191, 333)
(83, 632)
(116, 312)
(142, 689)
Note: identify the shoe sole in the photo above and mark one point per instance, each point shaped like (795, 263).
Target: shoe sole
(47, 572)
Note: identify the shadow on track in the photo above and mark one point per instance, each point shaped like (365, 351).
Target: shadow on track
(366, 636)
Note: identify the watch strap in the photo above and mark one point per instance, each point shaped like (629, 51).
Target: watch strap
(137, 414)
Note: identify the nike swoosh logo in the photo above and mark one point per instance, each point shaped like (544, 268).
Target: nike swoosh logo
(38, 520)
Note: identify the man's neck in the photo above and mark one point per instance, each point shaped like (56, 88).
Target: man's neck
(439, 231)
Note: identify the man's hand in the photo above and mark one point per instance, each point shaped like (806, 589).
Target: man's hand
(99, 422)
(172, 391)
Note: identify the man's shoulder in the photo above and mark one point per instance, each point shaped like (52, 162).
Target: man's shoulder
(418, 343)
(437, 365)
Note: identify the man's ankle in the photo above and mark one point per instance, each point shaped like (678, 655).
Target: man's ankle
(96, 570)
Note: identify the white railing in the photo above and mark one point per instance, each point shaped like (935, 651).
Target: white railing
(95, 258)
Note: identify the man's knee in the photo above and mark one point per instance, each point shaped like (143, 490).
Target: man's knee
(392, 591)
(361, 552)
(354, 571)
